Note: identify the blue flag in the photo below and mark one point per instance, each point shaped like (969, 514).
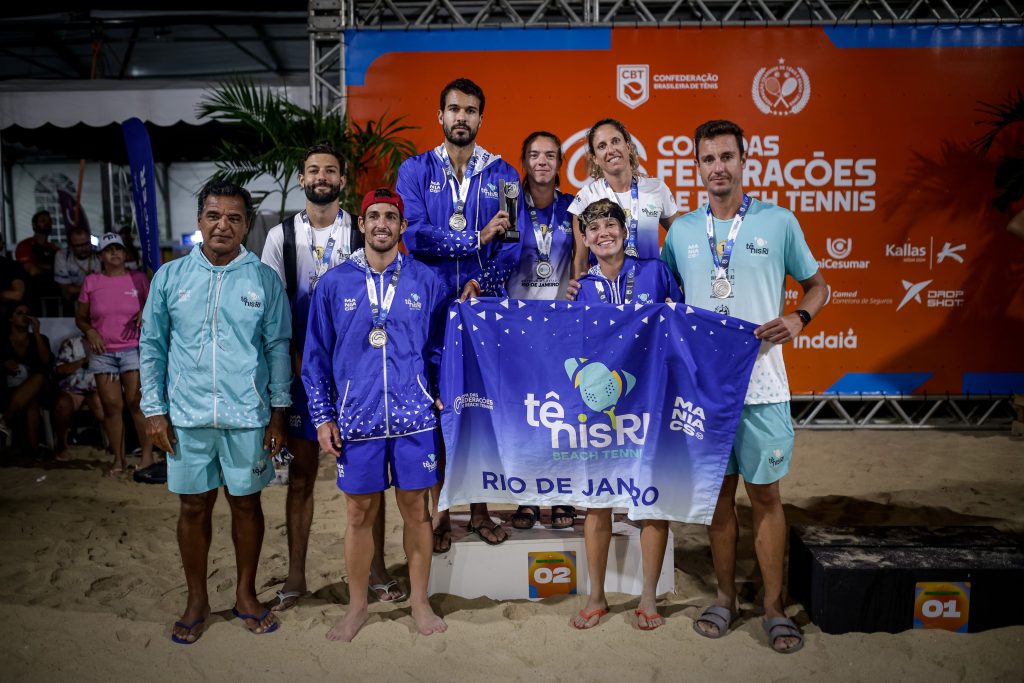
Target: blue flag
(593, 405)
(140, 160)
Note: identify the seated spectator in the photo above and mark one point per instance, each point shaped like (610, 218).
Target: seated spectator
(77, 386)
(73, 264)
(36, 254)
(12, 281)
(110, 314)
(26, 356)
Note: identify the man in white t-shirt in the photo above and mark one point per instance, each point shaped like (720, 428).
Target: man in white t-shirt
(301, 250)
(73, 264)
(733, 256)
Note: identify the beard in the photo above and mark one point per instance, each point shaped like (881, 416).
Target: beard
(319, 198)
(468, 139)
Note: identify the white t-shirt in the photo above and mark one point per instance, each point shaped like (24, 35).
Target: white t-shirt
(655, 201)
(69, 270)
(306, 267)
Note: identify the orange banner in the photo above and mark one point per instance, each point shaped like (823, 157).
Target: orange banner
(865, 134)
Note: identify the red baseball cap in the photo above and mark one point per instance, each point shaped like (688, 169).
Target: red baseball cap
(382, 195)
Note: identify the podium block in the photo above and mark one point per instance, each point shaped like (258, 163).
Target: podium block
(891, 579)
(540, 562)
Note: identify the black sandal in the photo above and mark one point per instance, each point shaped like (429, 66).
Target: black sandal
(529, 514)
(563, 511)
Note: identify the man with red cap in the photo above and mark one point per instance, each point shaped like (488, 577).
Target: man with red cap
(370, 369)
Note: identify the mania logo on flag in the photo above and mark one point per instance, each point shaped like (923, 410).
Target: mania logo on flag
(633, 84)
(637, 409)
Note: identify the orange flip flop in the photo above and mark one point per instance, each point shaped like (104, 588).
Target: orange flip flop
(587, 616)
(648, 617)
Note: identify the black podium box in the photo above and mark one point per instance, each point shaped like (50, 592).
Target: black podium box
(864, 578)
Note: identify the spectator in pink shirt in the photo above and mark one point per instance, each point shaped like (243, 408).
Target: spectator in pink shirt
(109, 314)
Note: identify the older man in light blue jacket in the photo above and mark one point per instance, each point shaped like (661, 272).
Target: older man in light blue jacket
(216, 378)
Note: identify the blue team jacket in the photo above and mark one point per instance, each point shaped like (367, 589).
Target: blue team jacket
(374, 393)
(214, 343)
(653, 283)
(455, 255)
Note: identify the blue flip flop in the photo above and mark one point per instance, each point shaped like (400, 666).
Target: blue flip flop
(182, 624)
(270, 629)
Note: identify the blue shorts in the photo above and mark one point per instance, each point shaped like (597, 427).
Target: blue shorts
(206, 458)
(363, 466)
(114, 362)
(764, 443)
(300, 425)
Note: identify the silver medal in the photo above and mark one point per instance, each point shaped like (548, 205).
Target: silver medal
(543, 269)
(457, 222)
(378, 338)
(721, 288)
(631, 251)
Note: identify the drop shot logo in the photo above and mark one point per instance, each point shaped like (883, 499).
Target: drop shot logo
(600, 390)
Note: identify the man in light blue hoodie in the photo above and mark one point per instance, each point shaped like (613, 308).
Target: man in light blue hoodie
(216, 378)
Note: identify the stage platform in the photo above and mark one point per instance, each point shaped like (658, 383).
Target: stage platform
(540, 562)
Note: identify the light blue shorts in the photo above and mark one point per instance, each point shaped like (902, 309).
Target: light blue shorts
(205, 459)
(764, 443)
(114, 362)
(411, 461)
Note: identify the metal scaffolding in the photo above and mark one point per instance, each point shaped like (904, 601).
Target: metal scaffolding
(897, 411)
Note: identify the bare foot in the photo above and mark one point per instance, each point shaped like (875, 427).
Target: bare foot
(64, 456)
(348, 626)
(426, 621)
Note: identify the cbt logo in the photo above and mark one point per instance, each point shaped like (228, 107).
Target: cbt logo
(633, 84)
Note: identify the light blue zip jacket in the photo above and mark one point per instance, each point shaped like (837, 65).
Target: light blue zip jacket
(214, 343)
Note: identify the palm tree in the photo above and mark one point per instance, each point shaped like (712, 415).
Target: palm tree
(272, 132)
(1009, 179)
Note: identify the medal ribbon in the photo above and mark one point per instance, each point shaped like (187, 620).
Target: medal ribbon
(630, 285)
(322, 265)
(379, 311)
(543, 239)
(634, 211)
(722, 266)
(460, 191)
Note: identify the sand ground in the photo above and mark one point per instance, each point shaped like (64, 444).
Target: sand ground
(90, 581)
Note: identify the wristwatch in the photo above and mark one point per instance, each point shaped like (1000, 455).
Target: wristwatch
(805, 317)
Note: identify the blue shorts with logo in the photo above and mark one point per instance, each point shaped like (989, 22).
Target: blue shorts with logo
(299, 424)
(206, 458)
(408, 462)
(764, 443)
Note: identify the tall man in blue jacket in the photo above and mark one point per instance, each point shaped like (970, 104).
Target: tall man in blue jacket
(216, 379)
(370, 368)
(452, 205)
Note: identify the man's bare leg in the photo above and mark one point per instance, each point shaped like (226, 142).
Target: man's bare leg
(441, 522)
(379, 574)
(770, 547)
(653, 540)
(195, 530)
(722, 533)
(247, 528)
(418, 541)
(298, 514)
(361, 512)
(597, 535)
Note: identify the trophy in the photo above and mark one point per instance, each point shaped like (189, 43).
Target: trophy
(510, 203)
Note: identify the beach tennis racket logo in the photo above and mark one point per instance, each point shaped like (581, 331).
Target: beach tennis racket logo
(633, 84)
(781, 90)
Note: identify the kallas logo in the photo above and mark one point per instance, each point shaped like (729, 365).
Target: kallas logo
(633, 84)
(781, 90)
